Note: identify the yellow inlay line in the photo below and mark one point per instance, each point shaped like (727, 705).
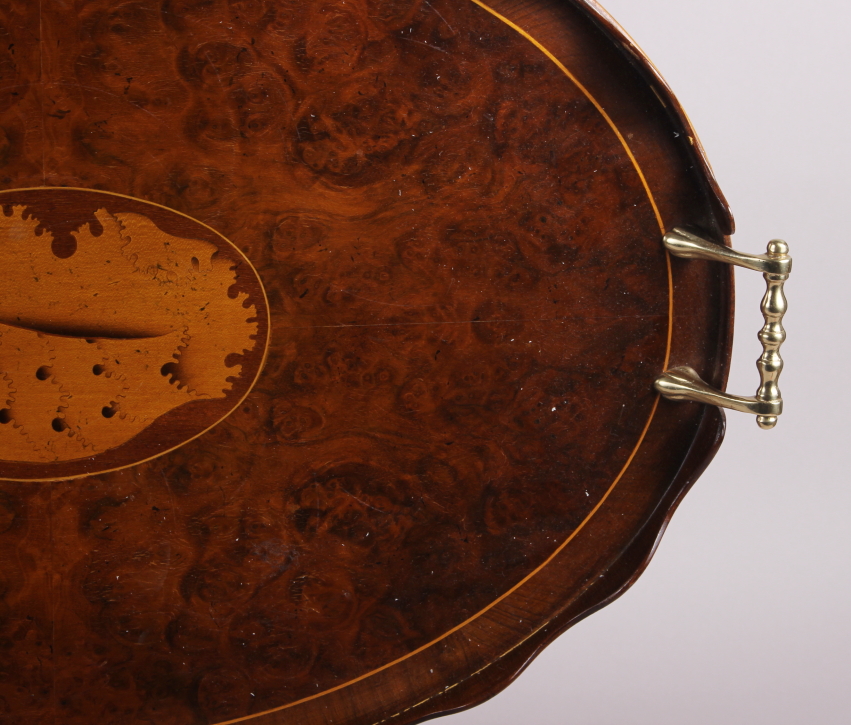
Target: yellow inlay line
(632, 455)
(589, 97)
(626, 148)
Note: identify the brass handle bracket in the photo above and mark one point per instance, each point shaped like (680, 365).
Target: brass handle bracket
(683, 383)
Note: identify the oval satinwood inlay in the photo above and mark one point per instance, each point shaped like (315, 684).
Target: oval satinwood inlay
(126, 330)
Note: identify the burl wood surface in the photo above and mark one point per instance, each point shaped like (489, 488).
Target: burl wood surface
(469, 302)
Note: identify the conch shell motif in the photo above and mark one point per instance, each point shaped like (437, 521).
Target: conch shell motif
(94, 348)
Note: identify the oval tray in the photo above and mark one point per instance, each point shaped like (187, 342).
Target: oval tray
(454, 449)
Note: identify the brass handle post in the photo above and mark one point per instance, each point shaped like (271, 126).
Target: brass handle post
(683, 383)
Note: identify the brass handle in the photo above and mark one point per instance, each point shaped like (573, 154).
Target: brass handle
(683, 383)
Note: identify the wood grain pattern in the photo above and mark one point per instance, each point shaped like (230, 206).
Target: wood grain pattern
(468, 304)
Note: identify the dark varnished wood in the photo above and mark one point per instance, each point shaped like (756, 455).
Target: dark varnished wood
(468, 304)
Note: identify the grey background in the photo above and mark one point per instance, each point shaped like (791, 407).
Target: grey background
(743, 614)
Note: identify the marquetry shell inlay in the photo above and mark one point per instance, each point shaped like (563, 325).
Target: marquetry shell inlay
(104, 332)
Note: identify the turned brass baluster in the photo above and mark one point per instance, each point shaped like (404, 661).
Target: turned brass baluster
(683, 382)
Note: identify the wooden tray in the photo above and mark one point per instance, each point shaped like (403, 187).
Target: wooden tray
(387, 284)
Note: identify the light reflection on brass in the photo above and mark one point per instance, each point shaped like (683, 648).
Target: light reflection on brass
(683, 383)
